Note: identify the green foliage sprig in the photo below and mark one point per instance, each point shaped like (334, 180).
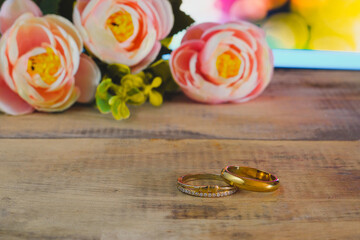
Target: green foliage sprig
(120, 88)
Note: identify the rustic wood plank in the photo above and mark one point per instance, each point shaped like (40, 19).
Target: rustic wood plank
(298, 105)
(109, 189)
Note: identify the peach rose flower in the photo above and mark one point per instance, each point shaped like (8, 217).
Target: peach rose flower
(223, 63)
(124, 31)
(41, 64)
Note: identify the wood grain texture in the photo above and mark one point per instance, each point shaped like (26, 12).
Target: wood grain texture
(109, 189)
(81, 175)
(298, 105)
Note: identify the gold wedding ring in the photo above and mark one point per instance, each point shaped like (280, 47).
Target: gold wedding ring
(210, 191)
(250, 179)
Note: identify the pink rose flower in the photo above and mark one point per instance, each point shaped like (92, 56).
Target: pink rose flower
(223, 63)
(124, 31)
(41, 64)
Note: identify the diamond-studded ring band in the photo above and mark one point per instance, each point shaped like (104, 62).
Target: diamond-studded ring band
(204, 191)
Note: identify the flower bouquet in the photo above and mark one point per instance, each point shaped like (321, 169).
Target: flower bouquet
(56, 53)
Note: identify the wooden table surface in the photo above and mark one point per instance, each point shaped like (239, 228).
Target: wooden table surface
(81, 175)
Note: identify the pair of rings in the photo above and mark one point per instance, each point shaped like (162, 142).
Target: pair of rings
(243, 178)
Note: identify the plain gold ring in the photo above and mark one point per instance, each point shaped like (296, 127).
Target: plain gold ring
(250, 179)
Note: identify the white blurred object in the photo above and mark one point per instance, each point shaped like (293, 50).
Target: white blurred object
(176, 41)
(202, 10)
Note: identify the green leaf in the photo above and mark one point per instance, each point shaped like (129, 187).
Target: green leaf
(118, 70)
(115, 109)
(112, 100)
(156, 99)
(137, 99)
(49, 7)
(120, 110)
(133, 91)
(182, 20)
(103, 104)
(156, 82)
(171, 86)
(124, 111)
(103, 88)
(132, 81)
(161, 69)
(66, 8)
(166, 42)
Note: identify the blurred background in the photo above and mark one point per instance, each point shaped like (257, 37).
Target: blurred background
(332, 25)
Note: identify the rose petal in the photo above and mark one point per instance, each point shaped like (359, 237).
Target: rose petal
(148, 60)
(67, 26)
(195, 32)
(12, 9)
(87, 78)
(11, 103)
(164, 12)
(35, 35)
(67, 100)
(81, 5)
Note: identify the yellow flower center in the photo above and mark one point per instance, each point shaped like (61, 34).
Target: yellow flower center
(46, 65)
(228, 64)
(121, 25)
